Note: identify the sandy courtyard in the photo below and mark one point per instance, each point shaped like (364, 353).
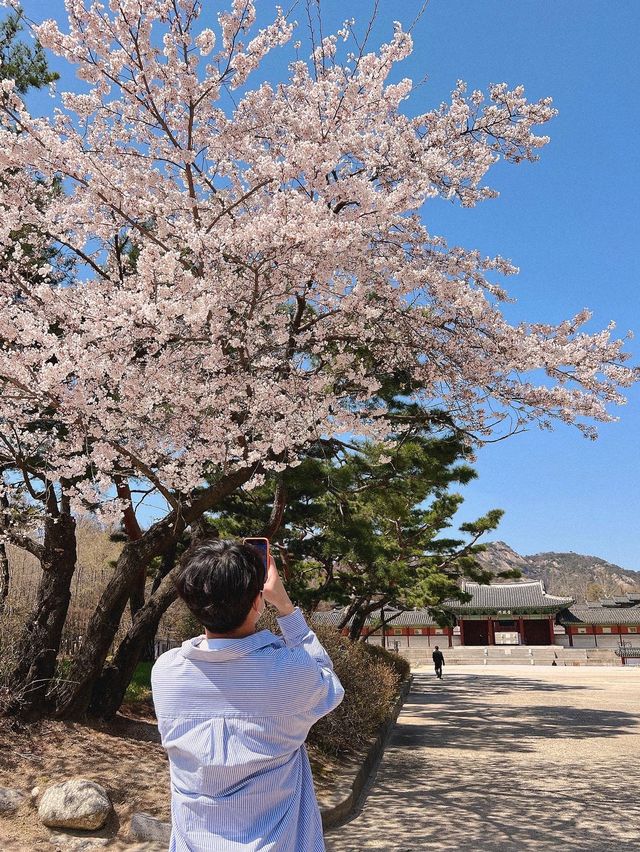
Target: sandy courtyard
(499, 759)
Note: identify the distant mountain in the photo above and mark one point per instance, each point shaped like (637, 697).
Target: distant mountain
(567, 574)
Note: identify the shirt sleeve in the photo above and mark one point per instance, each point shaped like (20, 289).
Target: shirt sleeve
(323, 690)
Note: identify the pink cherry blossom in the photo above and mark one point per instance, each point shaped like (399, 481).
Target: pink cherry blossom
(226, 282)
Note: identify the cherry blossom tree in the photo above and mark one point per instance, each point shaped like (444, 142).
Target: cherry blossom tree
(236, 266)
(26, 67)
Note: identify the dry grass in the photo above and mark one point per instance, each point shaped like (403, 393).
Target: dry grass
(97, 555)
(124, 756)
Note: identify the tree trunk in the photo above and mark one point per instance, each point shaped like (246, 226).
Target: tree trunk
(73, 697)
(353, 607)
(38, 646)
(4, 577)
(359, 620)
(134, 532)
(168, 563)
(109, 690)
(136, 595)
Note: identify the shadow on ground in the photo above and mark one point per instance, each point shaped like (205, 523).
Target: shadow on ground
(474, 766)
(467, 713)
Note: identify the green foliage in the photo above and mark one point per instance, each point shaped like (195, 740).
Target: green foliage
(363, 524)
(25, 64)
(139, 688)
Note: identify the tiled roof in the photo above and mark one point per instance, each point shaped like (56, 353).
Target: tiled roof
(525, 597)
(627, 652)
(507, 596)
(408, 618)
(624, 600)
(414, 617)
(331, 617)
(590, 614)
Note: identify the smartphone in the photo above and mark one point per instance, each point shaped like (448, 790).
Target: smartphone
(262, 546)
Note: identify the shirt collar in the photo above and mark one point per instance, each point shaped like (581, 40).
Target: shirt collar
(218, 650)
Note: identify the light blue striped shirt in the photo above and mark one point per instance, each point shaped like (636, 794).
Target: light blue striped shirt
(233, 715)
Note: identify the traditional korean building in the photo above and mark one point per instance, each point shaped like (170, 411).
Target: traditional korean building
(508, 614)
(519, 613)
(609, 623)
(502, 614)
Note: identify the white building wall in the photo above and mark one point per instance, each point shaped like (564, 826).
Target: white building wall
(584, 640)
(609, 640)
(419, 641)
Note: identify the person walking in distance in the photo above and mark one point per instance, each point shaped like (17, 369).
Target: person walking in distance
(438, 661)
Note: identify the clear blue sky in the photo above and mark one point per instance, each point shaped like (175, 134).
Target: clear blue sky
(570, 222)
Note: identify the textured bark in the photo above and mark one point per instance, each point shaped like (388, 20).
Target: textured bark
(351, 610)
(136, 595)
(167, 565)
(360, 618)
(108, 692)
(277, 512)
(134, 532)
(73, 697)
(38, 646)
(4, 577)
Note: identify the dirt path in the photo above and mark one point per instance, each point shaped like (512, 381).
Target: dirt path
(495, 759)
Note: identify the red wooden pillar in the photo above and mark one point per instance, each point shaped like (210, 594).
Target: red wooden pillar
(595, 636)
(491, 639)
(570, 634)
(450, 635)
(552, 635)
(521, 630)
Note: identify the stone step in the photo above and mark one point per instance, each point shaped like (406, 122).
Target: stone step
(540, 655)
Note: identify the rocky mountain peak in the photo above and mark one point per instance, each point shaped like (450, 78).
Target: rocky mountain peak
(584, 578)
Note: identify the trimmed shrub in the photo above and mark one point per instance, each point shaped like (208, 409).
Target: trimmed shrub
(370, 679)
(399, 664)
(370, 685)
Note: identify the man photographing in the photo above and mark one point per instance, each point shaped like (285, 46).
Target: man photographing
(234, 707)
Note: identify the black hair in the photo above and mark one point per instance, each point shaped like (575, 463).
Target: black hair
(219, 581)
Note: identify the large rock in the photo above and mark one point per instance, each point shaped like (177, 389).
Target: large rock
(147, 827)
(10, 799)
(78, 803)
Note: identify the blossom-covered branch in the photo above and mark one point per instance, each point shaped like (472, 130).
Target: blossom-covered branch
(192, 286)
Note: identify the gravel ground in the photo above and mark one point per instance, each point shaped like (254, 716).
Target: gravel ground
(498, 759)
